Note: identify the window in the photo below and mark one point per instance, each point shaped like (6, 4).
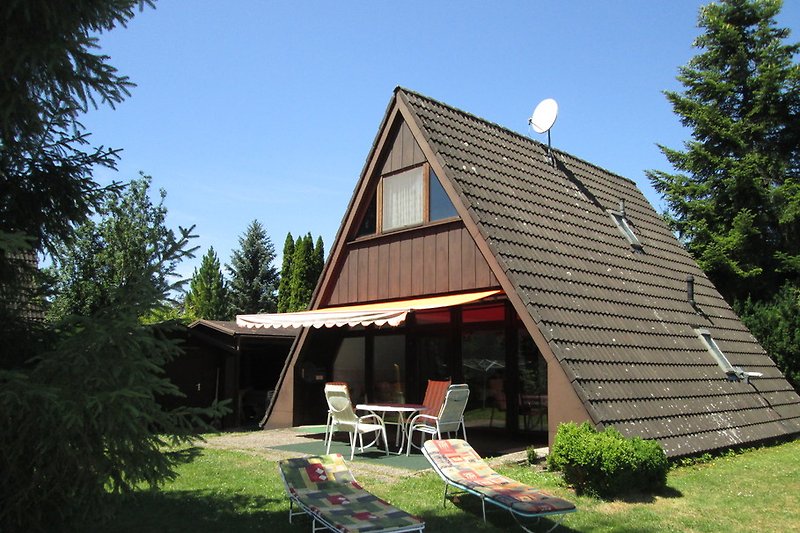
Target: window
(440, 205)
(409, 198)
(734, 373)
(624, 227)
(402, 199)
(368, 223)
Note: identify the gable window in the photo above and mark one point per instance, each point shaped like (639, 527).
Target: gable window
(403, 199)
(624, 227)
(440, 205)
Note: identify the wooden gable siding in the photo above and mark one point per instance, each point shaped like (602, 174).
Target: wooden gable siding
(404, 151)
(430, 260)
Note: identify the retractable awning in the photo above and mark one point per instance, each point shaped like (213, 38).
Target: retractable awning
(378, 314)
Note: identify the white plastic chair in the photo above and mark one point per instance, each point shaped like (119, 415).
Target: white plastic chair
(342, 417)
(449, 419)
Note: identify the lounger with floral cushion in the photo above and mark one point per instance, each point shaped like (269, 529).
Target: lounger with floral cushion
(459, 465)
(324, 488)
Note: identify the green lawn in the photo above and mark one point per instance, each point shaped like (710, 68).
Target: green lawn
(758, 490)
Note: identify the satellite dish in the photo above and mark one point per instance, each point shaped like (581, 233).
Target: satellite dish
(544, 116)
(542, 119)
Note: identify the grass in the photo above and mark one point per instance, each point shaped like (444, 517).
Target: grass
(758, 490)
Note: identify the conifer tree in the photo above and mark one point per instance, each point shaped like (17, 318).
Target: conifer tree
(302, 264)
(80, 398)
(319, 261)
(284, 287)
(735, 200)
(254, 280)
(208, 293)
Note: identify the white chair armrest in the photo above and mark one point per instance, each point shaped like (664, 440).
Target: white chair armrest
(413, 421)
(378, 420)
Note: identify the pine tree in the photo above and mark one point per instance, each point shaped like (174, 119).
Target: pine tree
(284, 288)
(208, 293)
(80, 398)
(735, 201)
(254, 279)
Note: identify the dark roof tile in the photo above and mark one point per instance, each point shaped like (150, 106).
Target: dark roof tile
(617, 320)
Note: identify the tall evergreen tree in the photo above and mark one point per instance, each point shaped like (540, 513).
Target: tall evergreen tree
(96, 378)
(208, 293)
(302, 265)
(735, 201)
(284, 287)
(319, 261)
(254, 280)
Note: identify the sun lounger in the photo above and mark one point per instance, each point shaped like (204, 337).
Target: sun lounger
(324, 488)
(460, 466)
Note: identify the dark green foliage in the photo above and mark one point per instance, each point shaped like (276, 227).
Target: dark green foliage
(284, 288)
(208, 293)
(776, 323)
(606, 463)
(85, 413)
(254, 281)
(735, 201)
(127, 237)
(300, 272)
(78, 397)
(50, 74)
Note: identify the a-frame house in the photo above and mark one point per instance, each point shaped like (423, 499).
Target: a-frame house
(549, 285)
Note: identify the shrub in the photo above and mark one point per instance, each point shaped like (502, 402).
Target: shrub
(606, 463)
(532, 455)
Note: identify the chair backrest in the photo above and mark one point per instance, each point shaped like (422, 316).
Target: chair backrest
(434, 396)
(339, 405)
(314, 473)
(455, 402)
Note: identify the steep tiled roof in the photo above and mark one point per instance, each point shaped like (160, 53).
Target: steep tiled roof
(616, 318)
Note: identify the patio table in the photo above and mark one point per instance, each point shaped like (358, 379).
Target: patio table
(404, 412)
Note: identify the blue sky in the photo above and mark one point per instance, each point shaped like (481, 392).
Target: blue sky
(266, 110)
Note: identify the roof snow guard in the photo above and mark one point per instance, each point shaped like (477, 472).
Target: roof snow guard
(377, 314)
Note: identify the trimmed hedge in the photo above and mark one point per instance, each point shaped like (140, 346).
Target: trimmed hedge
(606, 463)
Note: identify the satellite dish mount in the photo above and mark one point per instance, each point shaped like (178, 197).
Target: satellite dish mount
(542, 120)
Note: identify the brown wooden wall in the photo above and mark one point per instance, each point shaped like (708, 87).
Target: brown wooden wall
(403, 150)
(425, 261)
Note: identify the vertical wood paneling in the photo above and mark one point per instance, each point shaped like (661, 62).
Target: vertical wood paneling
(429, 264)
(417, 264)
(402, 150)
(397, 150)
(482, 271)
(340, 287)
(363, 275)
(352, 277)
(454, 260)
(395, 267)
(442, 261)
(372, 273)
(430, 261)
(383, 271)
(468, 251)
(406, 267)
